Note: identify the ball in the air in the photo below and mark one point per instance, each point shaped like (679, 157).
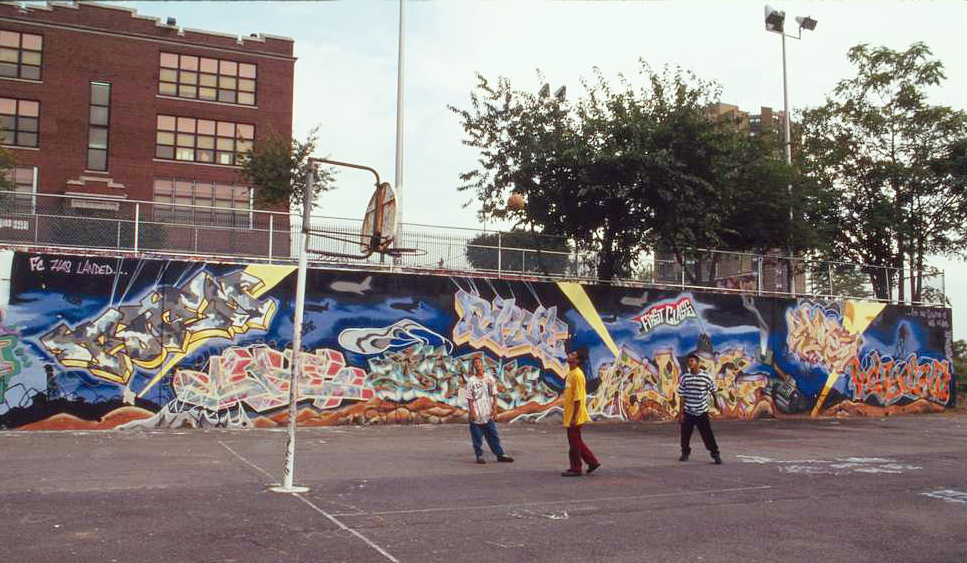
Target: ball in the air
(515, 202)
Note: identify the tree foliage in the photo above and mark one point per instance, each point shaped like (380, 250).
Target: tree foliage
(520, 251)
(277, 165)
(7, 162)
(960, 366)
(896, 163)
(628, 169)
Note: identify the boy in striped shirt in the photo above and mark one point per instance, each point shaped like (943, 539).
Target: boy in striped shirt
(695, 388)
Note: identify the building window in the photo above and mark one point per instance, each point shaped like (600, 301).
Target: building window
(201, 78)
(202, 203)
(203, 140)
(20, 55)
(97, 130)
(24, 188)
(19, 122)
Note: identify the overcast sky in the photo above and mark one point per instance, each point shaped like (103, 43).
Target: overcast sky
(346, 73)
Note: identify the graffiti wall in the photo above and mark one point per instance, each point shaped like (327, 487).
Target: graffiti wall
(120, 342)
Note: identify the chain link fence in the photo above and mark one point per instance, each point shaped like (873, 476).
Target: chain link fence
(111, 224)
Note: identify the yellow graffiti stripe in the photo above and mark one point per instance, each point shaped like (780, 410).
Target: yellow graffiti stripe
(857, 316)
(575, 292)
(270, 277)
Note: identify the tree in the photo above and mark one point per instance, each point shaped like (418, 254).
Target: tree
(7, 162)
(896, 162)
(847, 280)
(960, 368)
(626, 170)
(519, 251)
(9, 203)
(277, 165)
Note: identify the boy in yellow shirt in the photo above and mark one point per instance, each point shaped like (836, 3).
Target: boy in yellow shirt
(576, 414)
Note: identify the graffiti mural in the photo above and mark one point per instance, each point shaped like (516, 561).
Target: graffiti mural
(94, 342)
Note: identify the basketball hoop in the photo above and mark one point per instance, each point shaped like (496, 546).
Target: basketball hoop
(379, 225)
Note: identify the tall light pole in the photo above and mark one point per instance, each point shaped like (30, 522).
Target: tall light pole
(775, 22)
(399, 131)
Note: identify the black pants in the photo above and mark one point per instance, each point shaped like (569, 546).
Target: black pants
(690, 421)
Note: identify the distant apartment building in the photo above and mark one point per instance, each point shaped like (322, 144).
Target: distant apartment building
(737, 271)
(106, 107)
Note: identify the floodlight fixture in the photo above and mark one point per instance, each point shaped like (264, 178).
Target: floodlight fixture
(561, 93)
(545, 90)
(806, 22)
(775, 19)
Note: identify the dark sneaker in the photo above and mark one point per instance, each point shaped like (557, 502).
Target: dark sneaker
(571, 473)
(480, 460)
(591, 468)
(684, 457)
(505, 459)
(717, 458)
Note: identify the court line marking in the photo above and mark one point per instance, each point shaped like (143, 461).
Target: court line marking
(239, 456)
(552, 502)
(335, 521)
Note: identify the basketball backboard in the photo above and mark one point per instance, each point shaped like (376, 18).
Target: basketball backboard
(379, 221)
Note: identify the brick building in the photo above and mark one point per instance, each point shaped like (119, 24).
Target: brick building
(99, 101)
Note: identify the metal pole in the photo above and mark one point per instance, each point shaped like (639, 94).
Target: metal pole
(271, 235)
(137, 224)
(790, 266)
(295, 363)
(499, 254)
(829, 268)
(399, 131)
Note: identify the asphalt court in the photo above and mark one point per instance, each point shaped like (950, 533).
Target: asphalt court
(891, 489)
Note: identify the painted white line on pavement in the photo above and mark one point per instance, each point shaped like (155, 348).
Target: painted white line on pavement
(347, 528)
(342, 526)
(239, 456)
(552, 502)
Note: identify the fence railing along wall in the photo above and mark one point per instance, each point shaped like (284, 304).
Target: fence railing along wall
(94, 223)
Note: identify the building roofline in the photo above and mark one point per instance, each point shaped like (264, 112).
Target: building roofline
(25, 8)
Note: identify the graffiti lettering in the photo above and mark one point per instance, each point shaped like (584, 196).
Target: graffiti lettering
(58, 265)
(259, 377)
(666, 313)
(16, 224)
(430, 372)
(165, 322)
(634, 388)
(91, 268)
(888, 380)
(818, 339)
(10, 365)
(36, 264)
(934, 317)
(508, 330)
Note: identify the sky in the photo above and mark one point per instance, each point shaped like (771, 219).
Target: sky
(346, 73)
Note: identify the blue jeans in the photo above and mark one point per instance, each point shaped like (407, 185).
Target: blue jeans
(488, 431)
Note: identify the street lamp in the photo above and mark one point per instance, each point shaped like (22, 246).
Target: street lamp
(775, 22)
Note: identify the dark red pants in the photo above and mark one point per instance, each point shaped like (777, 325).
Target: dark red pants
(579, 450)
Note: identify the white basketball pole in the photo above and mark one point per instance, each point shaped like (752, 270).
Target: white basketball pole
(295, 363)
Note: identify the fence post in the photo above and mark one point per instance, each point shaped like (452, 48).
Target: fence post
(117, 244)
(758, 277)
(137, 225)
(943, 288)
(829, 268)
(500, 254)
(271, 235)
